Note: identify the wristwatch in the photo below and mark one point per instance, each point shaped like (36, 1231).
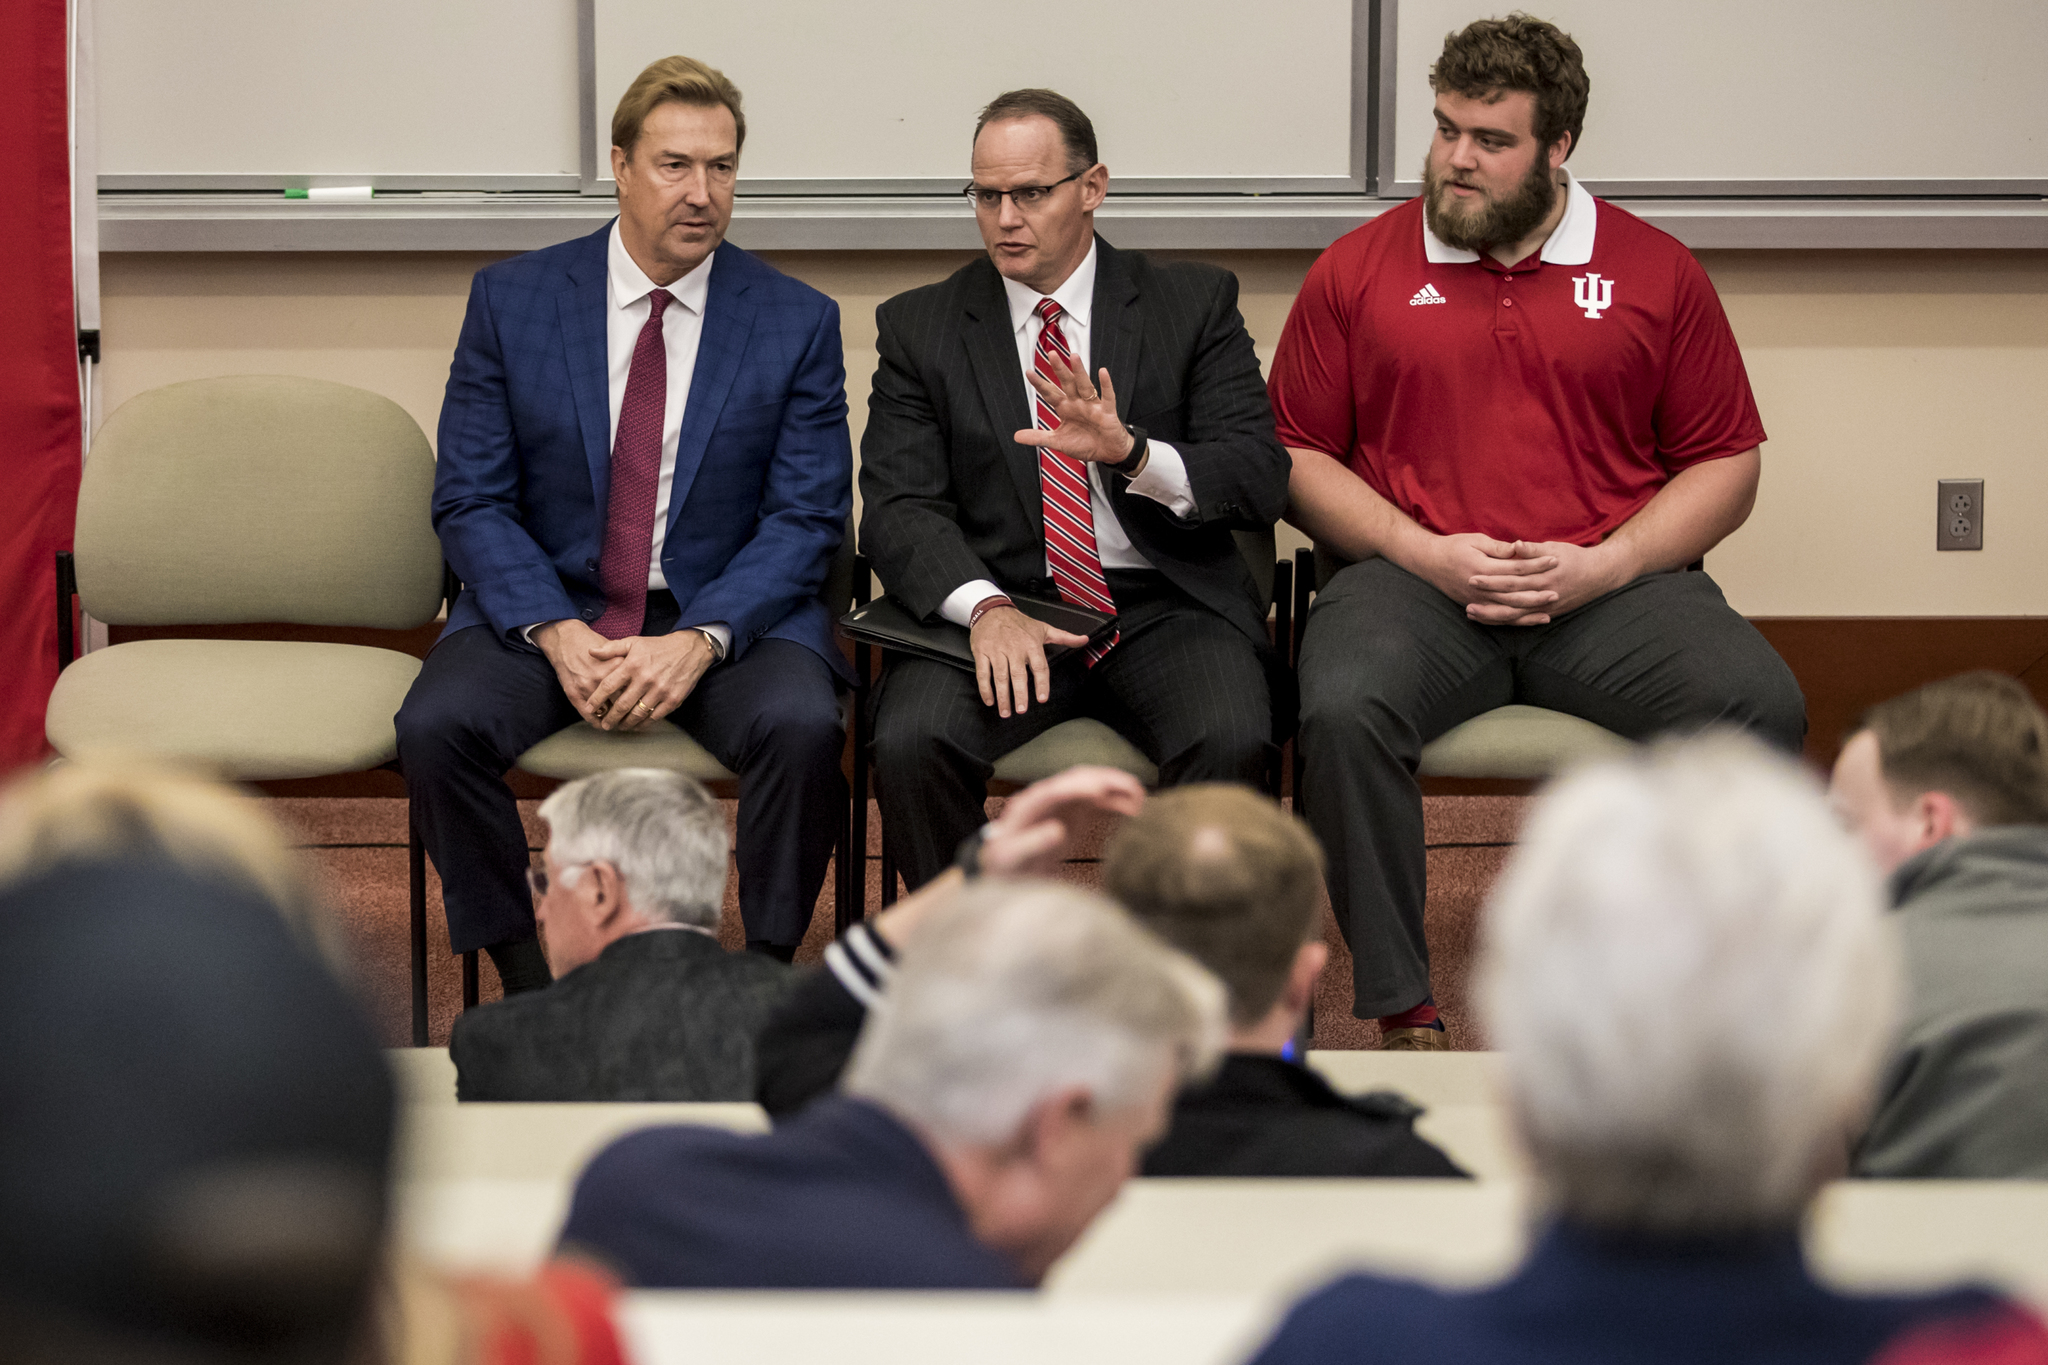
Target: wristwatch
(968, 856)
(1129, 464)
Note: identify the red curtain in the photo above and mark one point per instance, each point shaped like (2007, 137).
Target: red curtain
(39, 417)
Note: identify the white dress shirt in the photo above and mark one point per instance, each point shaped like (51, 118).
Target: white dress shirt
(1164, 479)
(682, 327)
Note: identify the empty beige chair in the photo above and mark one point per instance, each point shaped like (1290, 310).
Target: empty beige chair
(257, 498)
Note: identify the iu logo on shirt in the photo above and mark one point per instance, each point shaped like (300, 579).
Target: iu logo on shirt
(1592, 293)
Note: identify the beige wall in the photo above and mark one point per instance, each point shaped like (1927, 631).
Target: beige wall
(1877, 373)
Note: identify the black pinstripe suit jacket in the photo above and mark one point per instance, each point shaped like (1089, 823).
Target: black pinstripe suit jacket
(949, 497)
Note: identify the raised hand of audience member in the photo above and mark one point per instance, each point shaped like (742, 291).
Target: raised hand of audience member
(1029, 839)
(650, 676)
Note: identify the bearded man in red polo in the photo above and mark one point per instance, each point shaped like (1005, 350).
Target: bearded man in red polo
(1520, 413)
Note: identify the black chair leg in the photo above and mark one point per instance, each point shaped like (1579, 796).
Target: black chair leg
(863, 668)
(469, 982)
(416, 860)
(67, 589)
(842, 878)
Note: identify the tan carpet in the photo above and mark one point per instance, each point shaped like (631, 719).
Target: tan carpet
(359, 848)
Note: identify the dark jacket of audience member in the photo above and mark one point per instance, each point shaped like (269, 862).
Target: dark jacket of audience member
(660, 1015)
(646, 1005)
(1579, 1298)
(1266, 1116)
(1256, 1116)
(1967, 1093)
(843, 1197)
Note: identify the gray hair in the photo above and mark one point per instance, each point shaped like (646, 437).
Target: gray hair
(1688, 972)
(1015, 991)
(663, 832)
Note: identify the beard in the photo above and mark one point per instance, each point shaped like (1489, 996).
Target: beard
(1491, 221)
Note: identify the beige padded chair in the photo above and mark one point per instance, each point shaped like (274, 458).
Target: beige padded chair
(1086, 740)
(1512, 743)
(257, 498)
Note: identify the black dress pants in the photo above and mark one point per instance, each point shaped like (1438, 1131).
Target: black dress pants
(1388, 664)
(772, 716)
(1183, 684)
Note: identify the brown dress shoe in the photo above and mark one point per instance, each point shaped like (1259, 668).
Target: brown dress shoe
(1413, 1040)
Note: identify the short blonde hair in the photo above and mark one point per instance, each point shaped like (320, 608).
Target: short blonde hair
(97, 811)
(1226, 876)
(674, 80)
(1687, 970)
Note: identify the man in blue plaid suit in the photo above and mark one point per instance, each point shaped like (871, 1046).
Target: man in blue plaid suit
(644, 473)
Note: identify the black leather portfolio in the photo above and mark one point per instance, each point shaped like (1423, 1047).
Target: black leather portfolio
(886, 622)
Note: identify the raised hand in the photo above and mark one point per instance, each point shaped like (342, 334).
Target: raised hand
(1089, 427)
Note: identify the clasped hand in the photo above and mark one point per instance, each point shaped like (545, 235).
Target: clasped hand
(1521, 583)
(627, 684)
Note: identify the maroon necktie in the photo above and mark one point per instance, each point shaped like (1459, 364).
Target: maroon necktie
(1069, 510)
(636, 472)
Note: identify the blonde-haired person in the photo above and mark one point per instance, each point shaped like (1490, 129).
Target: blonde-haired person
(102, 811)
(1032, 1042)
(1687, 973)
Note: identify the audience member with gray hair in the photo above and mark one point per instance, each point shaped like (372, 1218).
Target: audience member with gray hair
(1031, 1042)
(645, 1005)
(1687, 974)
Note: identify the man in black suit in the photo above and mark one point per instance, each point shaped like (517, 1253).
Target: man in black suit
(1064, 419)
(646, 1005)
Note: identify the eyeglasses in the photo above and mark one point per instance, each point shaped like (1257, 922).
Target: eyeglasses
(1026, 197)
(537, 878)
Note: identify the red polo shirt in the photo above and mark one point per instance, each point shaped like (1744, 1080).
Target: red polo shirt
(1549, 401)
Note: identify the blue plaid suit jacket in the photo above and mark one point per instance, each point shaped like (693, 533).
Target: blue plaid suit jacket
(764, 467)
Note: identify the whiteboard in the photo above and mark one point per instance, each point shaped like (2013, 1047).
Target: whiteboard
(1757, 97)
(403, 94)
(879, 98)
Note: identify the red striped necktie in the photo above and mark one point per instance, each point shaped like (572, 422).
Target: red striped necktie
(1069, 509)
(635, 480)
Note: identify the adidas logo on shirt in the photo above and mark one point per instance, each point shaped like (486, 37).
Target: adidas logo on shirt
(1426, 294)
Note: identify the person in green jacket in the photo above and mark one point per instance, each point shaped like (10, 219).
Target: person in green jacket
(1947, 786)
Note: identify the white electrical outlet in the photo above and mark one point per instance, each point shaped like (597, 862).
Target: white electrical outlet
(1959, 514)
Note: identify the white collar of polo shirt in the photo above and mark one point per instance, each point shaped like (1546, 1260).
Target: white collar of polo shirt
(1569, 243)
(1074, 297)
(629, 283)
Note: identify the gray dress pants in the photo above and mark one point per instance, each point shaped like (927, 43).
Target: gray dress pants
(1389, 664)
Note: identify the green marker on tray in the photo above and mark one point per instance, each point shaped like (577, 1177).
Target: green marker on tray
(359, 194)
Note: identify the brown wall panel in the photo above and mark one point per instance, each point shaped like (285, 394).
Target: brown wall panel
(1848, 663)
